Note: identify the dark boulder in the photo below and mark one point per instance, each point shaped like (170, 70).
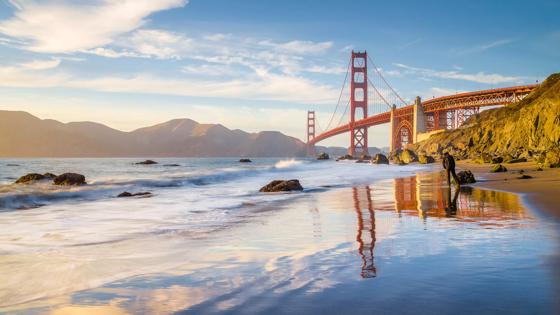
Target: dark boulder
(498, 169)
(525, 176)
(466, 177)
(245, 161)
(380, 159)
(323, 156)
(282, 185)
(147, 162)
(49, 175)
(517, 160)
(70, 179)
(408, 156)
(127, 194)
(28, 178)
(425, 159)
(497, 160)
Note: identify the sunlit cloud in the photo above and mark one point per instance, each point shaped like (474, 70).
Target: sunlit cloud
(65, 27)
(479, 77)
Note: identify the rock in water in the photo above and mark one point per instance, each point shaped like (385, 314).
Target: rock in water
(127, 194)
(282, 185)
(171, 165)
(31, 177)
(70, 179)
(147, 162)
(380, 159)
(245, 161)
(525, 176)
(498, 169)
(49, 175)
(408, 156)
(323, 156)
(425, 159)
(466, 177)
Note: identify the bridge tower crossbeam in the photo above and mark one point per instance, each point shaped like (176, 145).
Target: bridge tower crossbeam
(358, 101)
(310, 132)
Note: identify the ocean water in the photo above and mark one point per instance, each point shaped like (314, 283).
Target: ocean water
(359, 239)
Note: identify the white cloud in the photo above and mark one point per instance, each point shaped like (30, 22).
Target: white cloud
(438, 91)
(64, 27)
(299, 47)
(487, 46)
(326, 70)
(479, 77)
(41, 64)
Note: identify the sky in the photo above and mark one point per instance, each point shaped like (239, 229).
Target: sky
(258, 65)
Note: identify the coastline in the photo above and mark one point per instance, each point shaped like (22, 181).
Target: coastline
(540, 192)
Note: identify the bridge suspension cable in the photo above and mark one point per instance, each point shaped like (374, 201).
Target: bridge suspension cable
(386, 83)
(340, 95)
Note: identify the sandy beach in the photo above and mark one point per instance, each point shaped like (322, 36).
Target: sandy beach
(344, 246)
(540, 192)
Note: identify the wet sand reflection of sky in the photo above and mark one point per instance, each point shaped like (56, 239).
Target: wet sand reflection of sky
(356, 249)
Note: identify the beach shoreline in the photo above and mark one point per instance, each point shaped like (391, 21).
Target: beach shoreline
(539, 192)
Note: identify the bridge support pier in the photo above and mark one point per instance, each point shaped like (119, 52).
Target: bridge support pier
(393, 134)
(419, 119)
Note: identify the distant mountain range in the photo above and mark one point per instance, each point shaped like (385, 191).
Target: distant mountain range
(24, 135)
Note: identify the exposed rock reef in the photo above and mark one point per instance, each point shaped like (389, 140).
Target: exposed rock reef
(323, 156)
(282, 185)
(527, 130)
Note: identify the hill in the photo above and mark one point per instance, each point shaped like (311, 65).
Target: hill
(529, 129)
(24, 135)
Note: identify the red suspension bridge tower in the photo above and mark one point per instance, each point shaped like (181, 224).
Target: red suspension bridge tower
(358, 101)
(310, 132)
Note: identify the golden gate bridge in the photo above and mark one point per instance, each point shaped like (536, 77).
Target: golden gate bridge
(409, 123)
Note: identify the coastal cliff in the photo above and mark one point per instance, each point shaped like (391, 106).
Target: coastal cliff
(527, 130)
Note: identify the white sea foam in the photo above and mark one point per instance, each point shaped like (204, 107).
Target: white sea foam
(85, 229)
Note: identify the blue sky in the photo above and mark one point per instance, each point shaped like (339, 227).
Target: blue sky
(258, 65)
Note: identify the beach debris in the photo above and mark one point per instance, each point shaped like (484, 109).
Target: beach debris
(70, 179)
(31, 177)
(147, 162)
(498, 169)
(525, 176)
(408, 156)
(282, 185)
(380, 159)
(425, 159)
(245, 161)
(466, 177)
(323, 156)
(128, 194)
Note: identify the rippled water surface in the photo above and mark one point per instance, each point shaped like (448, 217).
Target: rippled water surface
(360, 239)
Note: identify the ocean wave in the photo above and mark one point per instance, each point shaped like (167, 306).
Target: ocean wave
(287, 163)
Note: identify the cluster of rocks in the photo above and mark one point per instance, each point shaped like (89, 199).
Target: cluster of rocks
(323, 156)
(66, 179)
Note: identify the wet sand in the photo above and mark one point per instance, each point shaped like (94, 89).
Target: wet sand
(541, 192)
(394, 246)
